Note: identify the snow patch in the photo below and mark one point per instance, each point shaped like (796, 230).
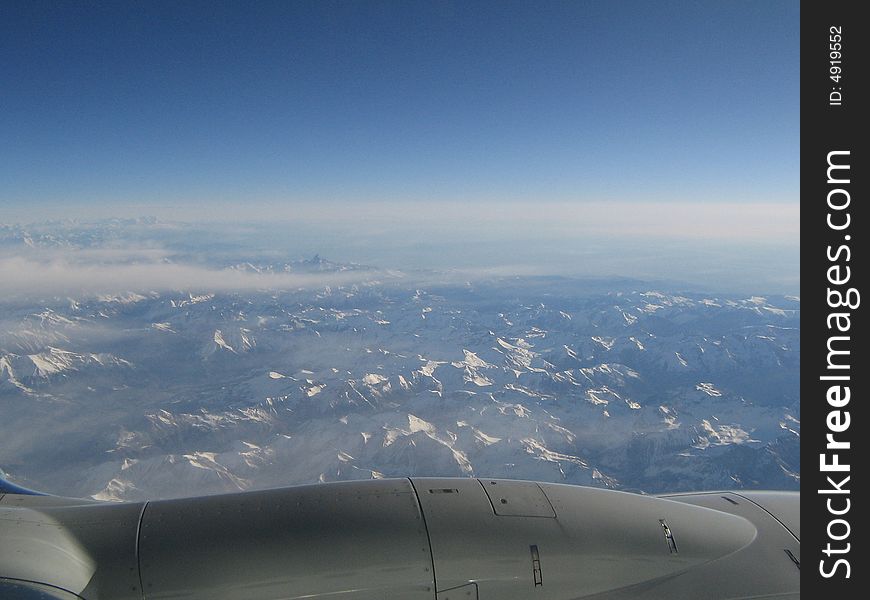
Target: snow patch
(708, 389)
(219, 340)
(374, 379)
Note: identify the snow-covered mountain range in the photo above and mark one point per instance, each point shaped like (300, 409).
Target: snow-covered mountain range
(156, 393)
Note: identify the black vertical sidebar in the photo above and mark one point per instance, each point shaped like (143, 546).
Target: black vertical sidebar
(833, 329)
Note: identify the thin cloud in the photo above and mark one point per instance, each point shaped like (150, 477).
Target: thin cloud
(677, 219)
(71, 276)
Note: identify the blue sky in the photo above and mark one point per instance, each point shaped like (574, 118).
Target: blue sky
(200, 103)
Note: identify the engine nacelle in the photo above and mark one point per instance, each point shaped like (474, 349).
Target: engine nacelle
(420, 538)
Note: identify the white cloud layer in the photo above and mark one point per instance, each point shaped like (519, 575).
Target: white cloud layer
(71, 276)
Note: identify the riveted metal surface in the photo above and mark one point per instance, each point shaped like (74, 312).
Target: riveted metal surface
(470, 543)
(517, 498)
(463, 592)
(355, 540)
(599, 542)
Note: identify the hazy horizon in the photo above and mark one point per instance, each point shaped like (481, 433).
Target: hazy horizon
(582, 139)
(102, 256)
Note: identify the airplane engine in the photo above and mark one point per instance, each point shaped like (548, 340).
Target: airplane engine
(419, 538)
